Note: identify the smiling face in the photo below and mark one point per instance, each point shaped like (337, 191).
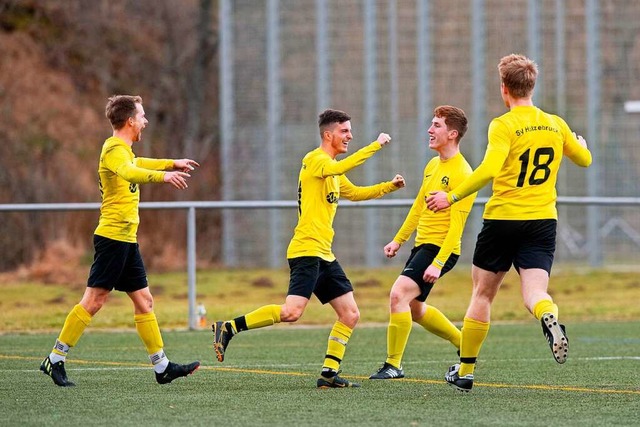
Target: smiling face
(439, 135)
(336, 139)
(138, 123)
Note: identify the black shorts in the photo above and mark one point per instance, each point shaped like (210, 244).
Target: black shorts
(523, 244)
(117, 265)
(313, 275)
(421, 257)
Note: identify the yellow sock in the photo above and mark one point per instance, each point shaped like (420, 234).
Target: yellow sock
(545, 306)
(397, 336)
(264, 316)
(438, 324)
(77, 320)
(149, 331)
(474, 333)
(338, 339)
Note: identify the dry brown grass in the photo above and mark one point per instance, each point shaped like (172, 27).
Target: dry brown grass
(583, 295)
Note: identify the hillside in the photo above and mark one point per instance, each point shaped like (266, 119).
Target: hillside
(60, 63)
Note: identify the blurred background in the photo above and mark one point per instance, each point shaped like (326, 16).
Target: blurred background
(238, 85)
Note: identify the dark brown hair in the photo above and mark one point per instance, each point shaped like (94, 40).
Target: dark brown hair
(329, 117)
(120, 107)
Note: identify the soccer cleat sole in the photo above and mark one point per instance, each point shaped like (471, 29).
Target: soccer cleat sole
(219, 353)
(217, 346)
(559, 344)
(324, 387)
(459, 389)
(324, 384)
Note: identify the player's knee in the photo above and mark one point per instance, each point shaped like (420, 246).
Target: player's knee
(395, 298)
(145, 305)
(92, 307)
(483, 294)
(93, 303)
(356, 316)
(291, 314)
(350, 317)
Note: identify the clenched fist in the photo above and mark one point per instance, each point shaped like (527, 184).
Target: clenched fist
(398, 181)
(383, 138)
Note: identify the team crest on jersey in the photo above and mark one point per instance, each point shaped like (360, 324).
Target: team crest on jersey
(332, 197)
(444, 182)
(133, 187)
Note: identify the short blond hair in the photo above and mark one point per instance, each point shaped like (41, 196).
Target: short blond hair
(518, 74)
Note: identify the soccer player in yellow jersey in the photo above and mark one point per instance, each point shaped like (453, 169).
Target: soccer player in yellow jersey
(525, 148)
(117, 261)
(437, 243)
(314, 268)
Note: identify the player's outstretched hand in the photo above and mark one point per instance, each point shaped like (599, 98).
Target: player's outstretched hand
(383, 138)
(398, 181)
(185, 165)
(177, 179)
(391, 249)
(581, 140)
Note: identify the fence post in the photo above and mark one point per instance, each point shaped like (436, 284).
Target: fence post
(191, 266)
(594, 121)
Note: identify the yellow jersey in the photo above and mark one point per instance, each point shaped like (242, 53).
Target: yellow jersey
(321, 183)
(119, 173)
(443, 228)
(525, 149)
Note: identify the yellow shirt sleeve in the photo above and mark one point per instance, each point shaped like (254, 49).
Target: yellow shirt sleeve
(154, 164)
(456, 227)
(413, 218)
(331, 168)
(356, 193)
(578, 154)
(118, 161)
